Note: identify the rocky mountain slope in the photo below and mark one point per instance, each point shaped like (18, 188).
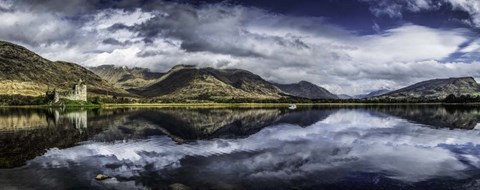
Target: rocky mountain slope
(188, 82)
(373, 94)
(345, 97)
(437, 89)
(127, 78)
(25, 73)
(306, 89)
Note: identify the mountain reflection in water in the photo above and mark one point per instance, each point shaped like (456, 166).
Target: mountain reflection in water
(399, 147)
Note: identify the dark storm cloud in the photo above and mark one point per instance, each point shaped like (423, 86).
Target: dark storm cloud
(193, 46)
(207, 30)
(119, 26)
(80, 7)
(430, 12)
(112, 41)
(148, 53)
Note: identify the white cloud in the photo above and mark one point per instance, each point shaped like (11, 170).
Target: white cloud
(33, 28)
(407, 43)
(109, 17)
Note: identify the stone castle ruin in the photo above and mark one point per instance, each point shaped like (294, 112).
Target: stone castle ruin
(77, 93)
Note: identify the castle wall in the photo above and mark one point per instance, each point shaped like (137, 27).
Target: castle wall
(78, 93)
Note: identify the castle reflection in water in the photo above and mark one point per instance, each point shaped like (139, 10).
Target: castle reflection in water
(32, 119)
(23, 119)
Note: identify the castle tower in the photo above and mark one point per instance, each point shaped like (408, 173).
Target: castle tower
(81, 90)
(56, 97)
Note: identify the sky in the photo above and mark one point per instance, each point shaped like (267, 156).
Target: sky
(347, 46)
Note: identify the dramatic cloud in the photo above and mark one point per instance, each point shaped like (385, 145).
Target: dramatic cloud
(395, 8)
(470, 6)
(281, 48)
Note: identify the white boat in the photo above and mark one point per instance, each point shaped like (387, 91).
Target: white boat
(292, 106)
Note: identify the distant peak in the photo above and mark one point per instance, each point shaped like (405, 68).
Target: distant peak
(183, 66)
(12, 45)
(20, 52)
(463, 78)
(458, 79)
(3, 43)
(449, 80)
(180, 67)
(103, 67)
(304, 82)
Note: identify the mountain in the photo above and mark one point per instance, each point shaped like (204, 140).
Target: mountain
(344, 96)
(373, 94)
(25, 73)
(126, 78)
(306, 89)
(437, 89)
(189, 82)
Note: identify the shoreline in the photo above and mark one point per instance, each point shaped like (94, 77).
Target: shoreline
(236, 105)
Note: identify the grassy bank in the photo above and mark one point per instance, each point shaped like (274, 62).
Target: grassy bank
(253, 105)
(231, 105)
(112, 102)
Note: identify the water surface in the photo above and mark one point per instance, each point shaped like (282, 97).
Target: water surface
(370, 147)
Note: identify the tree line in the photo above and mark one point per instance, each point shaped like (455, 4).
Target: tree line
(42, 100)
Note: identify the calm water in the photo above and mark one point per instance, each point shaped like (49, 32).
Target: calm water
(378, 147)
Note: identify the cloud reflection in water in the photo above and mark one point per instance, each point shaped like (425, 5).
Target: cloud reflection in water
(345, 144)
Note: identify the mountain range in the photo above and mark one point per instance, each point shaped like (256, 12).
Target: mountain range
(126, 78)
(306, 89)
(372, 94)
(436, 89)
(189, 82)
(364, 96)
(23, 72)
